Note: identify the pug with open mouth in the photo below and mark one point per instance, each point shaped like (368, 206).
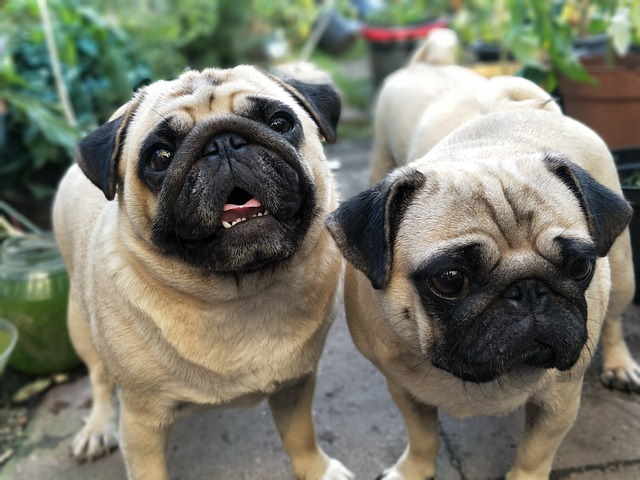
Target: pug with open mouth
(482, 272)
(201, 272)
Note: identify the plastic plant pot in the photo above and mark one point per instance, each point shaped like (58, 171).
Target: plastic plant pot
(390, 47)
(8, 339)
(628, 164)
(34, 287)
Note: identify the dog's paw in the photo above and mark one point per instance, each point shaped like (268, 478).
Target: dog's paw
(390, 474)
(97, 438)
(394, 474)
(623, 374)
(336, 471)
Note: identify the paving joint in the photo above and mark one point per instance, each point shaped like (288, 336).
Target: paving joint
(456, 461)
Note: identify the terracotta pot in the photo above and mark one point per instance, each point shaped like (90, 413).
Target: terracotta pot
(612, 106)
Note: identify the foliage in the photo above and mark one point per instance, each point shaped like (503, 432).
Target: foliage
(355, 89)
(407, 12)
(541, 33)
(632, 180)
(481, 21)
(172, 36)
(99, 69)
(105, 56)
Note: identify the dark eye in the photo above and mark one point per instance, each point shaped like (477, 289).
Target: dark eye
(580, 268)
(449, 284)
(281, 122)
(160, 159)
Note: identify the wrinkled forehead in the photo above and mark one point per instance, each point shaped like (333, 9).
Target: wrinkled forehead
(504, 206)
(198, 95)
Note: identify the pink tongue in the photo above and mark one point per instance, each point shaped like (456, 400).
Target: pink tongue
(250, 203)
(233, 212)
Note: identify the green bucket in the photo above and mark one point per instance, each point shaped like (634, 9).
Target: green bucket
(34, 288)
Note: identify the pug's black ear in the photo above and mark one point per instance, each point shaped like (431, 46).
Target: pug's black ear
(365, 226)
(607, 212)
(99, 152)
(321, 100)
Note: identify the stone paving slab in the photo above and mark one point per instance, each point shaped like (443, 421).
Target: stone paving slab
(356, 421)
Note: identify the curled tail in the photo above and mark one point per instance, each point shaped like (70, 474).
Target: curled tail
(515, 93)
(440, 48)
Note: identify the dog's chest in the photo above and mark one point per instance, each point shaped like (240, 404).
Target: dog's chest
(207, 354)
(438, 388)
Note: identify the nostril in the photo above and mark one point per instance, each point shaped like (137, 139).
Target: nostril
(541, 290)
(224, 142)
(513, 293)
(211, 149)
(237, 142)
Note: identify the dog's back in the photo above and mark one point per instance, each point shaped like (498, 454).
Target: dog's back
(409, 92)
(422, 103)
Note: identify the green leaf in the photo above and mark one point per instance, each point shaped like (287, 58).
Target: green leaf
(52, 127)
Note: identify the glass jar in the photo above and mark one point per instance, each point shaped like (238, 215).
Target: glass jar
(34, 288)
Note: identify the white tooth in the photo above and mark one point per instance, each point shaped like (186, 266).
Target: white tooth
(226, 224)
(235, 221)
(243, 219)
(259, 214)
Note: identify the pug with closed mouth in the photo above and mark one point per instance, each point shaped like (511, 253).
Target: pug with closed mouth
(201, 273)
(482, 271)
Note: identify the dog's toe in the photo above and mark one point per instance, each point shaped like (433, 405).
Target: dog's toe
(625, 378)
(337, 471)
(394, 474)
(390, 474)
(93, 441)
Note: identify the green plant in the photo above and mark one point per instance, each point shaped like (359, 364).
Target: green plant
(407, 12)
(632, 180)
(481, 21)
(99, 67)
(541, 34)
(206, 33)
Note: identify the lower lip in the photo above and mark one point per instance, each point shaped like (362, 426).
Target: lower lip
(199, 242)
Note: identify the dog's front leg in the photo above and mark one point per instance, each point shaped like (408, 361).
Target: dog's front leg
(144, 425)
(547, 423)
(291, 409)
(418, 462)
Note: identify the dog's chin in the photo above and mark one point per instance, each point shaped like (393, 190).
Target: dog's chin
(249, 246)
(540, 357)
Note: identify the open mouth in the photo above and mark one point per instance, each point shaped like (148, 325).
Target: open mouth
(240, 207)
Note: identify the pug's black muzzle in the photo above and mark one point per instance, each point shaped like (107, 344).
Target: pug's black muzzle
(527, 325)
(222, 160)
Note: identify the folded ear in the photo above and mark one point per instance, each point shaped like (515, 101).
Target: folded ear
(607, 213)
(99, 152)
(314, 91)
(365, 226)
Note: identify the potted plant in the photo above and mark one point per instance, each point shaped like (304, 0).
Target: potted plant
(584, 47)
(8, 339)
(394, 30)
(482, 26)
(39, 128)
(33, 295)
(610, 101)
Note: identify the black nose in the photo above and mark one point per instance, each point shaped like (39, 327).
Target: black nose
(530, 295)
(224, 142)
